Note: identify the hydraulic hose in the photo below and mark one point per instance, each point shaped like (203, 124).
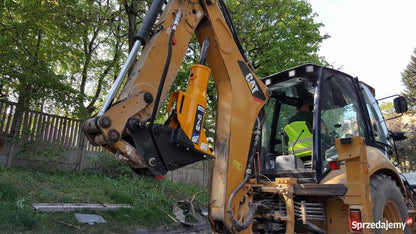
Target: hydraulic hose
(243, 225)
(166, 68)
(230, 23)
(236, 224)
(146, 29)
(162, 79)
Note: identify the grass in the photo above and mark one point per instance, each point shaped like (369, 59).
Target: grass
(151, 200)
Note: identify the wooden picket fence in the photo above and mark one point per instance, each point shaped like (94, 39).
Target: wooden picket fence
(65, 132)
(38, 126)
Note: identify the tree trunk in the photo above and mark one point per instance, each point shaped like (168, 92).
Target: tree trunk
(22, 105)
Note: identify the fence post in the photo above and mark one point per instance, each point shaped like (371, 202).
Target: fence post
(15, 133)
(10, 155)
(83, 149)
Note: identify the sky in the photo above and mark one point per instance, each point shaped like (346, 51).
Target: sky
(369, 39)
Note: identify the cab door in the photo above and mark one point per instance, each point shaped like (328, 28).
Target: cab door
(339, 115)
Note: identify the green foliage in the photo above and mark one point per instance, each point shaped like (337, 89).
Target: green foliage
(119, 196)
(31, 44)
(59, 52)
(409, 81)
(407, 123)
(7, 192)
(387, 109)
(406, 148)
(277, 34)
(96, 29)
(42, 151)
(151, 200)
(20, 204)
(106, 164)
(23, 220)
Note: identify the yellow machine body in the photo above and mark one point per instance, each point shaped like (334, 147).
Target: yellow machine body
(241, 97)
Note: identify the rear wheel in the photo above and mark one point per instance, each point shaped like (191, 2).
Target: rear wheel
(388, 202)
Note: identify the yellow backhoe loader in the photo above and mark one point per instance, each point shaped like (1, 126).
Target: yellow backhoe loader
(270, 174)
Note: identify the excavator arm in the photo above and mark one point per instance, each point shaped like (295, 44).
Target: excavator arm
(127, 126)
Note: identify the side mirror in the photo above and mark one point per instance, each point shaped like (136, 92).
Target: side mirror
(398, 136)
(400, 105)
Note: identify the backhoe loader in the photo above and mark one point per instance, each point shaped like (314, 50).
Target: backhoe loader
(260, 183)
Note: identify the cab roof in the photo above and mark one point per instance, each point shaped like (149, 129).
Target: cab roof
(306, 70)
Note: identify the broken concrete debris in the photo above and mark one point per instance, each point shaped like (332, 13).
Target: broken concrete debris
(67, 207)
(89, 218)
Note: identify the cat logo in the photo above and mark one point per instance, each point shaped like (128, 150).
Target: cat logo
(252, 84)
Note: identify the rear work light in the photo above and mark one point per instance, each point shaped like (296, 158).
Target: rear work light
(355, 220)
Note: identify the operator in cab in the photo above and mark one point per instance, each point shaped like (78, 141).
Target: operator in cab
(299, 131)
(304, 113)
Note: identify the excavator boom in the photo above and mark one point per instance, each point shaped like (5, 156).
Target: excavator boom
(128, 129)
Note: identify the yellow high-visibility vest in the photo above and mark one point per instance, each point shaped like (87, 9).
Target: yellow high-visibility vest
(300, 138)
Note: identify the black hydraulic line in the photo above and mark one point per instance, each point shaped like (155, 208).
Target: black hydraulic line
(204, 51)
(145, 30)
(162, 79)
(236, 224)
(230, 24)
(166, 68)
(408, 186)
(397, 155)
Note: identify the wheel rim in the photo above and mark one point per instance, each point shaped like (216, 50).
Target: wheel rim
(391, 212)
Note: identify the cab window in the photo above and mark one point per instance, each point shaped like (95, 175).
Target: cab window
(285, 96)
(339, 115)
(378, 125)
